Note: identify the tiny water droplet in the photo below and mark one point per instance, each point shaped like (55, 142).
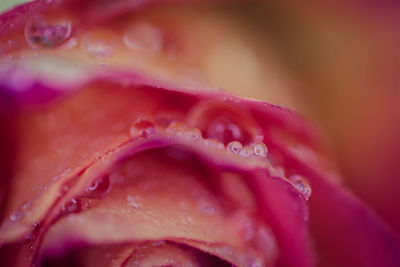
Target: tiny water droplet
(260, 150)
(27, 205)
(16, 216)
(192, 134)
(246, 151)
(214, 144)
(205, 207)
(99, 188)
(302, 185)
(190, 220)
(13, 43)
(234, 147)
(100, 42)
(48, 31)
(157, 244)
(72, 206)
(143, 36)
(176, 128)
(134, 201)
(142, 128)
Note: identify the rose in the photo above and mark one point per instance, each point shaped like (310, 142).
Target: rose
(109, 167)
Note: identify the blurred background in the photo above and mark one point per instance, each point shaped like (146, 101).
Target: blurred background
(336, 62)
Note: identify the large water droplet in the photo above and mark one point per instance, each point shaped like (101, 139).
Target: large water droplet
(142, 128)
(100, 42)
(234, 147)
(260, 150)
(224, 130)
(143, 36)
(48, 30)
(302, 185)
(223, 122)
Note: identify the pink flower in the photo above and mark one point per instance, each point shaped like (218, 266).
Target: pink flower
(106, 166)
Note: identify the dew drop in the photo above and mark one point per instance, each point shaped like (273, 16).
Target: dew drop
(143, 36)
(142, 128)
(205, 207)
(245, 225)
(16, 216)
(260, 150)
(134, 201)
(214, 144)
(192, 134)
(48, 31)
(302, 185)
(246, 151)
(72, 206)
(265, 242)
(190, 220)
(224, 130)
(99, 188)
(176, 128)
(234, 147)
(100, 42)
(157, 244)
(12, 43)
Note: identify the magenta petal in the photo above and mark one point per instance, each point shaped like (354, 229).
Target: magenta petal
(287, 212)
(346, 231)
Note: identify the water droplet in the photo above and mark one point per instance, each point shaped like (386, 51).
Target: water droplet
(205, 207)
(224, 251)
(260, 150)
(234, 147)
(214, 144)
(157, 244)
(72, 206)
(190, 220)
(259, 138)
(143, 36)
(27, 205)
(192, 134)
(142, 128)
(265, 242)
(12, 43)
(99, 188)
(48, 31)
(134, 201)
(100, 42)
(176, 128)
(16, 216)
(246, 151)
(302, 185)
(224, 129)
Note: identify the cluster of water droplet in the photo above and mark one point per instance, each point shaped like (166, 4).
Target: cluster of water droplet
(179, 130)
(301, 185)
(56, 30)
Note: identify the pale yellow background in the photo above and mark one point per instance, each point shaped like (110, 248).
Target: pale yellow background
(7, 4)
